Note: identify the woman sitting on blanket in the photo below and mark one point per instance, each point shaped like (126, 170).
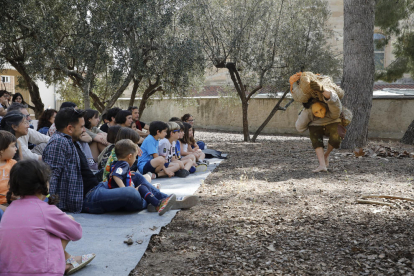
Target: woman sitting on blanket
(322, 119)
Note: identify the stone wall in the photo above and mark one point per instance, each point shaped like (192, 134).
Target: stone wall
(389, 117)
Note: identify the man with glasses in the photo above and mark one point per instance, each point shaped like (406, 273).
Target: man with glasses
(32, 136)
(72, 180)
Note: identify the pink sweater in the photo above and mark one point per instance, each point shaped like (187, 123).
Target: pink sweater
(30, 238)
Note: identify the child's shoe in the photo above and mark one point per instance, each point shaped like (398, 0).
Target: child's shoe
(184, 202)
(201, 168)
(166, 204)
(182, 173)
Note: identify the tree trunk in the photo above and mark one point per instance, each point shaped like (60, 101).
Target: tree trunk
(408, 137)
(241, 91)
(31, 86)
(272, 113)
(359, 69)
(151, 90)
(85, 94)
(134, 91)
(245, 108)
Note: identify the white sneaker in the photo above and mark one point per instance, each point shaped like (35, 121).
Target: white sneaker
(184, 202)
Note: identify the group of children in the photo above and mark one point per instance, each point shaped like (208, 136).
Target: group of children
(169, 150)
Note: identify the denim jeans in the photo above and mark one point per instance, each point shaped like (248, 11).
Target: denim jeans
(139, 179)
(103, 200)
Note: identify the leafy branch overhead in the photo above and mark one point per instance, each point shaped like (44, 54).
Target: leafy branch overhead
(261, 43)
(395, 19)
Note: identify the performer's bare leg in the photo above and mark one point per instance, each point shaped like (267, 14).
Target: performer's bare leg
(328, 151)
(321, 157)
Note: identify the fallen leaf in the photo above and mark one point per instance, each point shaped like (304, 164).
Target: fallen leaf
(359, 152)
(271, 248)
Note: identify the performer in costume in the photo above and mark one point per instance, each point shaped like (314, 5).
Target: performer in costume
(322, 118)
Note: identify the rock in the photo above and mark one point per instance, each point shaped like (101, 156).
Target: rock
(129, 241)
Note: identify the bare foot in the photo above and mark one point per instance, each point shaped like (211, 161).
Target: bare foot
(168, 172)
(326, 161)
(320, 169)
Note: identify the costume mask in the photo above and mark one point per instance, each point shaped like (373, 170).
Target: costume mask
(319, 110)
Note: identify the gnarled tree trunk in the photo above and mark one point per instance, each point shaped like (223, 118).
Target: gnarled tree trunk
(134, 90)
(151, 90)
(359, 69)
(408, 137)
(31, 86)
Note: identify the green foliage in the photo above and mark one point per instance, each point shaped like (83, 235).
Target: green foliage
(268, 40)
(83, 40)
(395, 18)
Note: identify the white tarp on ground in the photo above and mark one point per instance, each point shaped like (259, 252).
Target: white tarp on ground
(105, 234)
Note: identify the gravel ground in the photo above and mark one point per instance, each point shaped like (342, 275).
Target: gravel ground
(263, 212)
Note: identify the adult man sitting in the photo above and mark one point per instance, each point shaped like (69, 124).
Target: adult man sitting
(110, 116)
(32, 136)
(72, 180)
(140, 125)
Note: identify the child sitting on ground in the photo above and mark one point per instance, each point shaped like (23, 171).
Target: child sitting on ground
(150, 161)
(120, 176)
(123, 133)
(188, 142)
(190, 157)
(111, 138)
(166, 149)
(33, 233)
(7, 151)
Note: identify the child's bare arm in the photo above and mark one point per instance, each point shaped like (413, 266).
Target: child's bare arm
(118, 181)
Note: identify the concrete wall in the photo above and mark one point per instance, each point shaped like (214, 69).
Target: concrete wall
(389, 117)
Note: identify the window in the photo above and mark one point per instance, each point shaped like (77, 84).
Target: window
(379, 52)
(5, 79)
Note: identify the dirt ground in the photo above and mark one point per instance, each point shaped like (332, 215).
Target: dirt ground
(263, 212)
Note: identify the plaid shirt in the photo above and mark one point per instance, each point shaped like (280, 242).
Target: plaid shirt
(66, 181)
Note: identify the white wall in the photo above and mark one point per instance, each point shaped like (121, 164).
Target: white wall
(47, 94)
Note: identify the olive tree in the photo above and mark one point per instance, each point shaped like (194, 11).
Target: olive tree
(19, 25)
(262, 42)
